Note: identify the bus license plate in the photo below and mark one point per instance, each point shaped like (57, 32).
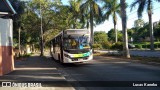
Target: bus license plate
(80, 59)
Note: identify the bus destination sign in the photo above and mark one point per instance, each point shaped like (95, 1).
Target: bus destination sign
(77, 32)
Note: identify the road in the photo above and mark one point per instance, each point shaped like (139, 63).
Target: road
(109, 69)
(102, 73)
(145, 53)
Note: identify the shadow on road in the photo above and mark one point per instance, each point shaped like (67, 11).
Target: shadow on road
(34, 68)
(65, 65)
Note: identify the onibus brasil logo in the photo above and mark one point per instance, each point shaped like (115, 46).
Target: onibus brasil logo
(17, 84)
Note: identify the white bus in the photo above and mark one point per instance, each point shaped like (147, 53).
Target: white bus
(72, 46)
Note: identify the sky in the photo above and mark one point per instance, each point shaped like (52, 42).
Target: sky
(132, 16)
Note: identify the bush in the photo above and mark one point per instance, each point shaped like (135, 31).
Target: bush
(139, 46)
(97, 46)
(157, 45)
(148, 46)
(106, 45)
(117, 46)
(144, 46)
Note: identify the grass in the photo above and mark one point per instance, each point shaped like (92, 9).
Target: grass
(145, 42)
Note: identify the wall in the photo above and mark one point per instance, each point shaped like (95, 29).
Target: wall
(6, 43)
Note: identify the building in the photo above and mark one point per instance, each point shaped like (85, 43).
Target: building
(156, 23)
(6, 37)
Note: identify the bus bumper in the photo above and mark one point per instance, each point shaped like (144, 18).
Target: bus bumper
(77, 60)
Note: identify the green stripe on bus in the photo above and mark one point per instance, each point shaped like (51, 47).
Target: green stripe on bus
(81, 55)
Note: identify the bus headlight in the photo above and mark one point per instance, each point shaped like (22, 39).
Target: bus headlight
(66, 55)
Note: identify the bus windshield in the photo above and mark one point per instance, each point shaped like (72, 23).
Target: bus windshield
(76, 42)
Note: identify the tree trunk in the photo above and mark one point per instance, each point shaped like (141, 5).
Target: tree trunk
(33, 48)
(19, 41)
(91, 24)
(151, 30)
(42, 45)
(124, 29)
(74, 24)
(116, 39)
(115, 23)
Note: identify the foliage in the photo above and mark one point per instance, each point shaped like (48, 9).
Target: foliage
(148, 5)
(112, 8)
(140, 33)
(74, 8)
(100, 37)
(157, 31)
(130, 33)
(117, 46)
(138, 23)
(106, 45)
(139, 46)
(19, 7)
(92, 11)
(111, 35)
(78, 14)
(146, 45)
(55, 17)
(97, 46)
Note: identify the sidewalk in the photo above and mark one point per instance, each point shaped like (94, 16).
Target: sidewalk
(36, 69)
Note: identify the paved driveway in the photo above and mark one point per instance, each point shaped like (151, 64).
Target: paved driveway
(145, 53)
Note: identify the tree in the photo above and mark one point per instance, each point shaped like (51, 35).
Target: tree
(43, 7)
(142, 5)
(19, 7)
(30, 26)
(48, 11)
(100, 37)
(56, 17)
(157, 31)
(111, 35)
(101, 40)
(75, 10)
(139, 33)
(131, 34)
(112, 8)
(95, 15)
(138, 23)
(124, 28)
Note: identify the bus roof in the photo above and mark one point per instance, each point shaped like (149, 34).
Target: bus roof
(76, 29)
(70, 30)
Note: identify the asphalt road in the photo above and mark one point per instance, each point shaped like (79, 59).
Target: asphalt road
(144, 53)
(102, 73)
(105, 73)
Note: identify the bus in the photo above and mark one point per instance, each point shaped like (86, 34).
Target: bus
(72, 46)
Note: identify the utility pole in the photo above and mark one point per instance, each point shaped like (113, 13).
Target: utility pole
(42, 46)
